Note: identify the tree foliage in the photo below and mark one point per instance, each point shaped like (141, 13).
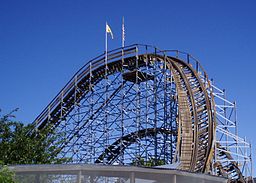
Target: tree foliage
(6, 176)
(17, 146)
(149, 163)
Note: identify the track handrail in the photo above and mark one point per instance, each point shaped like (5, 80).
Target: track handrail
(78, 75)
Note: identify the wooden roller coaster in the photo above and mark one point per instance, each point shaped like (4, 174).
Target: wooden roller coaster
(140, 102)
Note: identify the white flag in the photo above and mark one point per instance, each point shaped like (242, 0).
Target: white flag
(108, 30)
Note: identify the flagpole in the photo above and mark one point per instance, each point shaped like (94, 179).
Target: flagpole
(106, 45)
(123, 32)
(106, 93)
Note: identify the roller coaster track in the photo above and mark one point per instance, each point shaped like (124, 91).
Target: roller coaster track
(230, 168)
(115, 149)
(192, 86)
(195, 121)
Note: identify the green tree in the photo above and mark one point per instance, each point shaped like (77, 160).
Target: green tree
(139, 161)
(6, 176)
(17, 146)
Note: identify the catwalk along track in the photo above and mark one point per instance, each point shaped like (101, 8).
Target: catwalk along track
(138, 106)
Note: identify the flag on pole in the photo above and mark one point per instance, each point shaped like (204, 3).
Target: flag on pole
(123, 33)
(108, 30)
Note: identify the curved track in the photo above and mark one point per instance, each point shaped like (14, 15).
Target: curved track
(140, 102)
(118, 147)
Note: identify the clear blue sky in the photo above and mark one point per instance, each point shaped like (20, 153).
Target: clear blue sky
(44, 42)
